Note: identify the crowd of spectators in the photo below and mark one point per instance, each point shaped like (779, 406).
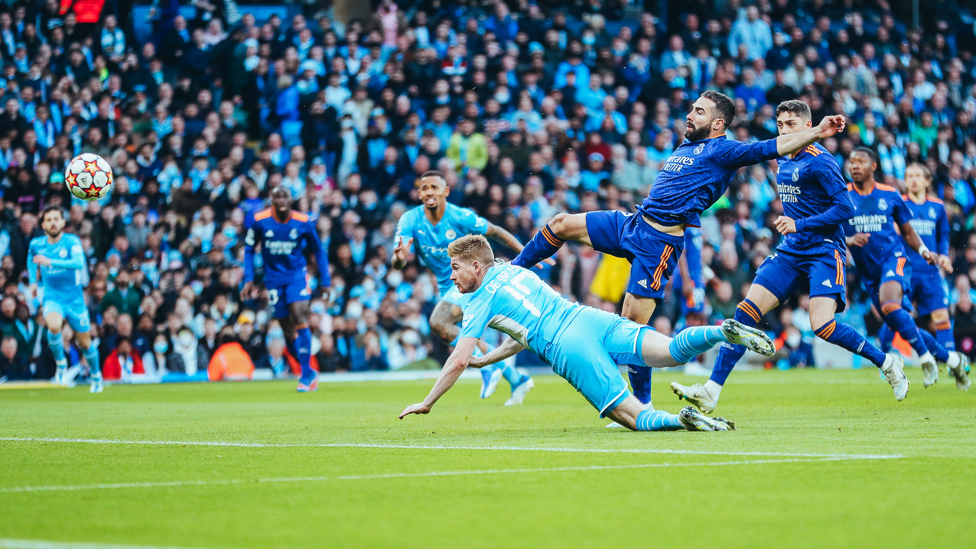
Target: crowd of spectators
(531, 109)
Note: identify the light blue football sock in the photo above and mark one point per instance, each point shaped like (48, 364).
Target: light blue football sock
(57, 348)
(691, 342)
(658, 420)
(91, 355)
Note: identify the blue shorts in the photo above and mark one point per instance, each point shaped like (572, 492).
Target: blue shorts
(587, 352)
(653, 255)
(782, 273)
(896, 269)
(930, 291)
(76, 313)
(280, 297)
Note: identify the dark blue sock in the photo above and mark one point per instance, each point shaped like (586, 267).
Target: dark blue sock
(898, 318)
(885, 337)
(292, 349)
(943, 333)
(303, 344)
(640, 382)
(938, 351)
(728, 355)
(542, 246)
(842, 335)
(658, 420)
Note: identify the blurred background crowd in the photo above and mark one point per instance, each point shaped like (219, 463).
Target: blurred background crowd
(531, 107)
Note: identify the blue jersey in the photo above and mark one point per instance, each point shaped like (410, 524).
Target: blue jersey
(430, 241)
(517, 302)
(65, 279)
(878, 211)
(931, 225)
(697, 174)
(283, 248)
(809, 184)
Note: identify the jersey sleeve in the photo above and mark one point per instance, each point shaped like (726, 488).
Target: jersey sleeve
(321, 255)
(477, 314)
(473, 223)
(900, 211)
(31, 268)
(942, 232)
(736, 154)
(827, 174)
(251, 240)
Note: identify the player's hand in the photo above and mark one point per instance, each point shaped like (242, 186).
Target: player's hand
(688, 290)
(418, 408)
(785, 225)
(547, 261)
(249, 292)
(42, 261)
(860, 239)
(832, 125)
(931, 257)
(945, 263)
(403, 249)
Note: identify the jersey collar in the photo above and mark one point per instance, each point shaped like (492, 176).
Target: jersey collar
(912, 200)
(869, 191)
(275, 217)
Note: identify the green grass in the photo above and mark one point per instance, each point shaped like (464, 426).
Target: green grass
(672, 493)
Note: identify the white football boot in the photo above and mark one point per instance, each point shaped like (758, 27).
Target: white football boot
(894, 373)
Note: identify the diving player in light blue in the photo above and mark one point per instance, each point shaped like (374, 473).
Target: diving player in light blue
(60, 258)
(430, 228)
(583, 344)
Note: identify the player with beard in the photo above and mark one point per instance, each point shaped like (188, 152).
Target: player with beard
(690, 181)
(60, 259)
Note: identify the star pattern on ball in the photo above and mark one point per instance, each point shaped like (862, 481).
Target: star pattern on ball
(92, 192)
(91, 167)
(72, 179)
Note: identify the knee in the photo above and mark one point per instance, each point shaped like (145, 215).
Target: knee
(940, 316)
(558, 224)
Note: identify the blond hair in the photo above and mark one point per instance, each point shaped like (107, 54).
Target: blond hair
(471, 248)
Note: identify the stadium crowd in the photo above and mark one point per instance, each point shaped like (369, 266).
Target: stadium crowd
(531, 109)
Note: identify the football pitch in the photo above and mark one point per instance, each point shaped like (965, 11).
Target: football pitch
(821, 459)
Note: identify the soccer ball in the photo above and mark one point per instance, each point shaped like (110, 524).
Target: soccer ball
(88, 177)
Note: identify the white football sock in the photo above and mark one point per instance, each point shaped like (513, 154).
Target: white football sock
(953, 360)
(714, 389)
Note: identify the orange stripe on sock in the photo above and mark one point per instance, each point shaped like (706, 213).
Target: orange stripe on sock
(943, 326)
(889, 307)
(748, 310)
(828, 330)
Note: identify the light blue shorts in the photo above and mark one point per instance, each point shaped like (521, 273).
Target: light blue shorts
(587, 353)
(75, 313)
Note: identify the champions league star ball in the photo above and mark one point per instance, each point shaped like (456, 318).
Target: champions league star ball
(88, 177)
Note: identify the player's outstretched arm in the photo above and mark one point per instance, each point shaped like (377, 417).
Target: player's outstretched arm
(916, 244)
(508, 239)
(508, 348)
(452, 370)
(791, 143)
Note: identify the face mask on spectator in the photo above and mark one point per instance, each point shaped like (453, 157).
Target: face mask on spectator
(161, 348)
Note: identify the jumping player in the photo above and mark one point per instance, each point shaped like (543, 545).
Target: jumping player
(816, 204)
(930, 292)
(433, 226)
(61, 260)
(881, 259)
(584, 345)
(690, 181)
(285, 237)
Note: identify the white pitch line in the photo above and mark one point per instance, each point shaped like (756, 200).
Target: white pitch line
(70, 488)
(41, 544)
(439, 447)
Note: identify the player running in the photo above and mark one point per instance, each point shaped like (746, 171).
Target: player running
(882, 261)
(584, 345)
(60, 258)
(690, 181)
(433, 226)
(930, 292)
(285, 237)
(816, 204)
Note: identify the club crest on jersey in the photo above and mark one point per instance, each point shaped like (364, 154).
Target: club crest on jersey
(700, 148)
(293, 234)
(882, 204)
(269, 233)
(450, 234)
(931, 213)
(796, 175)
(63, 253)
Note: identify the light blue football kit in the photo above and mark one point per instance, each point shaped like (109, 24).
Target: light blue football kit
(62, 291)
(430, 243)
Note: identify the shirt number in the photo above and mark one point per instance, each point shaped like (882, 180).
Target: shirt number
(520, 292)
(272, 297)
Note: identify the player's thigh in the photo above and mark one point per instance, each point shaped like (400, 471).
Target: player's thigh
(891, 291)
(638, 308)
(83, 339)
(776, 280)
(53, 317)
(570, 227)
(655, 350)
